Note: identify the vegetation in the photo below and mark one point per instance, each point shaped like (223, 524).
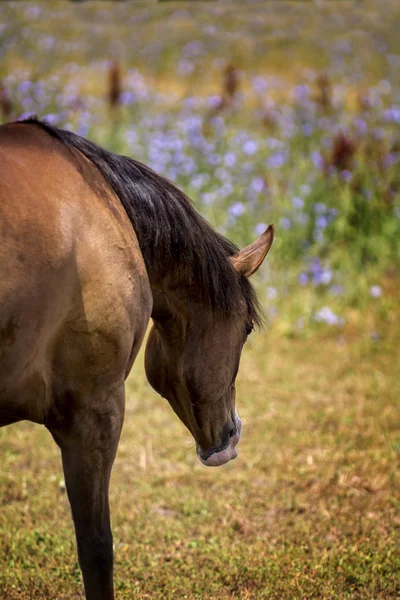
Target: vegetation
(257, 125)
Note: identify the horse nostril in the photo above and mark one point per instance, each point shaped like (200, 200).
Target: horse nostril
(232, 432)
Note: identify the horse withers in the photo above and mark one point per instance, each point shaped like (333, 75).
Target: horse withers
(93, 246)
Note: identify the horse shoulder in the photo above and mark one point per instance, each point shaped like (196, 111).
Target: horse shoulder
(112, 302)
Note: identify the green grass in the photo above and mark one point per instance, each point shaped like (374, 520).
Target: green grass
(310, 509)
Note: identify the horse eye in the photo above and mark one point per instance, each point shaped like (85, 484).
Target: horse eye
(249, 328)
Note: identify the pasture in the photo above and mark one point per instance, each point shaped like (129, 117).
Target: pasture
(310, 142)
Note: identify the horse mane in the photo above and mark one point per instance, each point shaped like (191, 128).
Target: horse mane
(168, 228)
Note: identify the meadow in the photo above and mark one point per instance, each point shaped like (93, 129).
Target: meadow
(283, 112)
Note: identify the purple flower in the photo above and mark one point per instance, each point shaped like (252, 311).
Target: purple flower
(319, 207)
(307, 129)
(361, 126)
(346, 176)
(285, 223)
(250, 147)
(259, 84)
(24, 86)
(185, 67)
(237, 209)
(193, 49)
(214, 160)
(303, 279)
(277, 160)
(230, 159)
(321, 222)
(336, 290)
(297, 202)
(319, 274)
(326, 315)
(305, 189)
(127, 98)
(257, 185)
(301, 93)
(260, 228)
(375, 291)
(271, 293)
(317, 160)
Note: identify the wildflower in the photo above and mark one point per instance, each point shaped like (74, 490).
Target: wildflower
(320, 275)
(209, 197)
(361, 126)
(214, 159)
(214, 102)
(285, 223)
(52, 118)
(307, 129)
(271, 293)
(257, 184)
(305, 189)
(317, 160)
(236, 209)
(193, 49)
(326, 315)
(260, 228)
(259, 85)
(303, 279)
(226, 190)
(24, 86)
(277, 160)
(127, 98)
(301, 93)
(392, 114)
(336, 290)
(230, 159)
(346, 176)
(185, 67)
(250, 147)
(222, 174)
(375, 291)
(33, 12)
(319, 207)
(297, 202)
(321, 222)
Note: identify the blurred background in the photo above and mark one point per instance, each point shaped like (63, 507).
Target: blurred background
(283, 112)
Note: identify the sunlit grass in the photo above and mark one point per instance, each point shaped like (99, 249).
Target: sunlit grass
(309, 509)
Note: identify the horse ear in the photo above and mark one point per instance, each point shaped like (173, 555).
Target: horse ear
(247, 260)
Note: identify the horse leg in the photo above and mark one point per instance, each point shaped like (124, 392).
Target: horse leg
(88, 439)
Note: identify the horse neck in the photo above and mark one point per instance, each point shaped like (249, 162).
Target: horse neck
(171, 298)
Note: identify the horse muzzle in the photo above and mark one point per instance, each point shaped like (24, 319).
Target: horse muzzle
(215, 457)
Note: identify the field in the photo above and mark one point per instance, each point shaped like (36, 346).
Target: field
(309, 139)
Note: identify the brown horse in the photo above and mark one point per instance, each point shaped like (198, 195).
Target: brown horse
(93, 245)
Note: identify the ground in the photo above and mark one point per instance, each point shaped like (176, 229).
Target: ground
(310, 509)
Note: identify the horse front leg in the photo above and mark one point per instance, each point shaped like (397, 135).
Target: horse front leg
(88, 444)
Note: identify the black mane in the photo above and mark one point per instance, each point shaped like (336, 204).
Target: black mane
(168, 228)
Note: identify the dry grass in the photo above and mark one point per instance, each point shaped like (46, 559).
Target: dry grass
(309, 510)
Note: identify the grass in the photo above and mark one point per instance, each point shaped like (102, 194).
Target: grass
(280, 38)
(310, 509)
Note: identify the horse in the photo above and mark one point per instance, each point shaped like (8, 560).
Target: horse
(94, 246)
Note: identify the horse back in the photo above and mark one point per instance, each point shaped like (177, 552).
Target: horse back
(75, 298)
